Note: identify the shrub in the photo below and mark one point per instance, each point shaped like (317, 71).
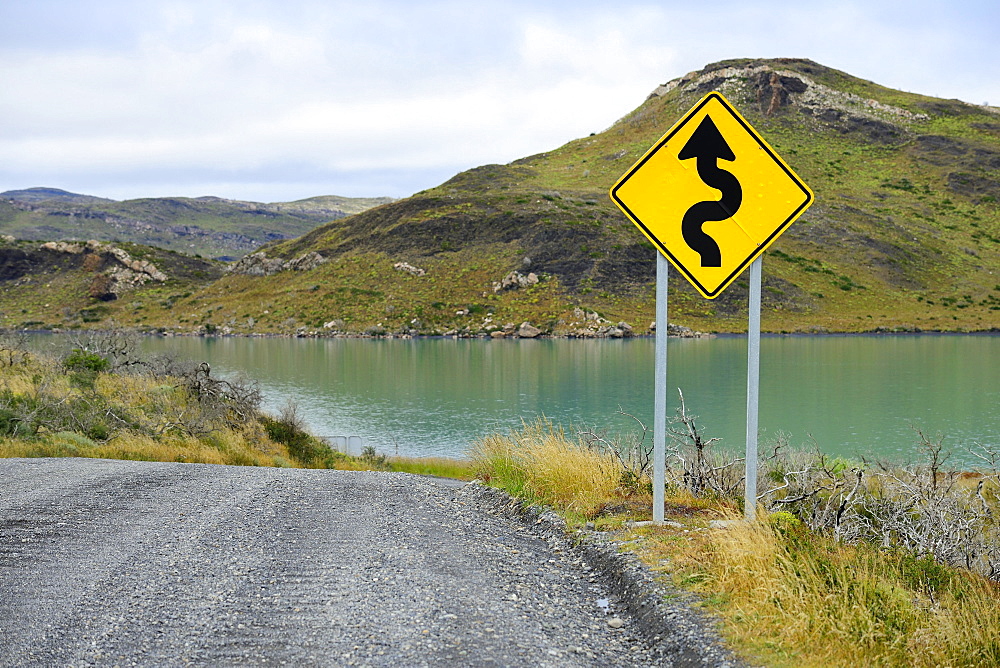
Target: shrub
(372, 458)
(288, 429)
(83, 360)
(11, 424)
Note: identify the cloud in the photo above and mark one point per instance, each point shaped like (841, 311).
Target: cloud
(263, 92)
(254, 94)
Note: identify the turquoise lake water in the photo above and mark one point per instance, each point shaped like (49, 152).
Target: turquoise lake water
(848, 395)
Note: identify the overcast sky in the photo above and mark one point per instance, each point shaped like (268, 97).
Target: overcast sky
(276, 101)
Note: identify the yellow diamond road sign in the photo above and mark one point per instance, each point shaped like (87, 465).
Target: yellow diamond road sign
(711, 195)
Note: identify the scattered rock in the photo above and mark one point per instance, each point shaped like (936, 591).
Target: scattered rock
(683, 332)
(409, 268)
(616, 622)
(6, 238)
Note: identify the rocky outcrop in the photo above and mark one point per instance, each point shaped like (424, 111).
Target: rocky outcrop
(514, 281)
(121, 272)
(259, 264)
(305, 262)
(775, 91)
(64, 247)
(256, 264)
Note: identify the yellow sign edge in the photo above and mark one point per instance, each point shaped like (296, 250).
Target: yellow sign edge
(809, 197)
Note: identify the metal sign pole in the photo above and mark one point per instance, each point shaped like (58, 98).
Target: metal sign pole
(753, 386)
(660, 391)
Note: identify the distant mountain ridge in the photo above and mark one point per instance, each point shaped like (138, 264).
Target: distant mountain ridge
(34, 195)
(904, 234)
(207, 226)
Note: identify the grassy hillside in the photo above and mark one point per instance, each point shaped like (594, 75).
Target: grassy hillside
(207, 226)
(904, 234)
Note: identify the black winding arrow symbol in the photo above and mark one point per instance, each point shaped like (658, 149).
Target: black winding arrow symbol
(708, 146)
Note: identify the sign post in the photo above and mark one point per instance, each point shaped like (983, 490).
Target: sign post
(753, 386)
(711, 195)
(660, 390)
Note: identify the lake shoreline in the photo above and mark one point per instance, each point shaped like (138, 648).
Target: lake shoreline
(433, 396)
(877, 332)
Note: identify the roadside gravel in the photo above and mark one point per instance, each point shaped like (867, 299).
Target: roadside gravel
(135, 563)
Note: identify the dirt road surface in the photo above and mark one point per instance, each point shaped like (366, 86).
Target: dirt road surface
(136, 563)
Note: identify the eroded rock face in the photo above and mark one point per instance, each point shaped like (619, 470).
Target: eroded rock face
(773, 90)
(122, 272)
(776, 91)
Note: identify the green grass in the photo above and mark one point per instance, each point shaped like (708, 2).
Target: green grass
(443, 467)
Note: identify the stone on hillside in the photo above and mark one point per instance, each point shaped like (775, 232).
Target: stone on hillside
(515, 280)
(528, 331)
(409, 268)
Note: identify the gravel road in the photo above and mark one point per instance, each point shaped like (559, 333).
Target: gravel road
(136, 563)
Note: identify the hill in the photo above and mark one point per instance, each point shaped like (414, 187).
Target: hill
(904, 234)
(207, 226)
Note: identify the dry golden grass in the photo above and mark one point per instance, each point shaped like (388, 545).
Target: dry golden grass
(792, 598)
(233, 447)
(540, 462)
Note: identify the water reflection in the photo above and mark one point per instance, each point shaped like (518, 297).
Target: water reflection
(850, 395)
